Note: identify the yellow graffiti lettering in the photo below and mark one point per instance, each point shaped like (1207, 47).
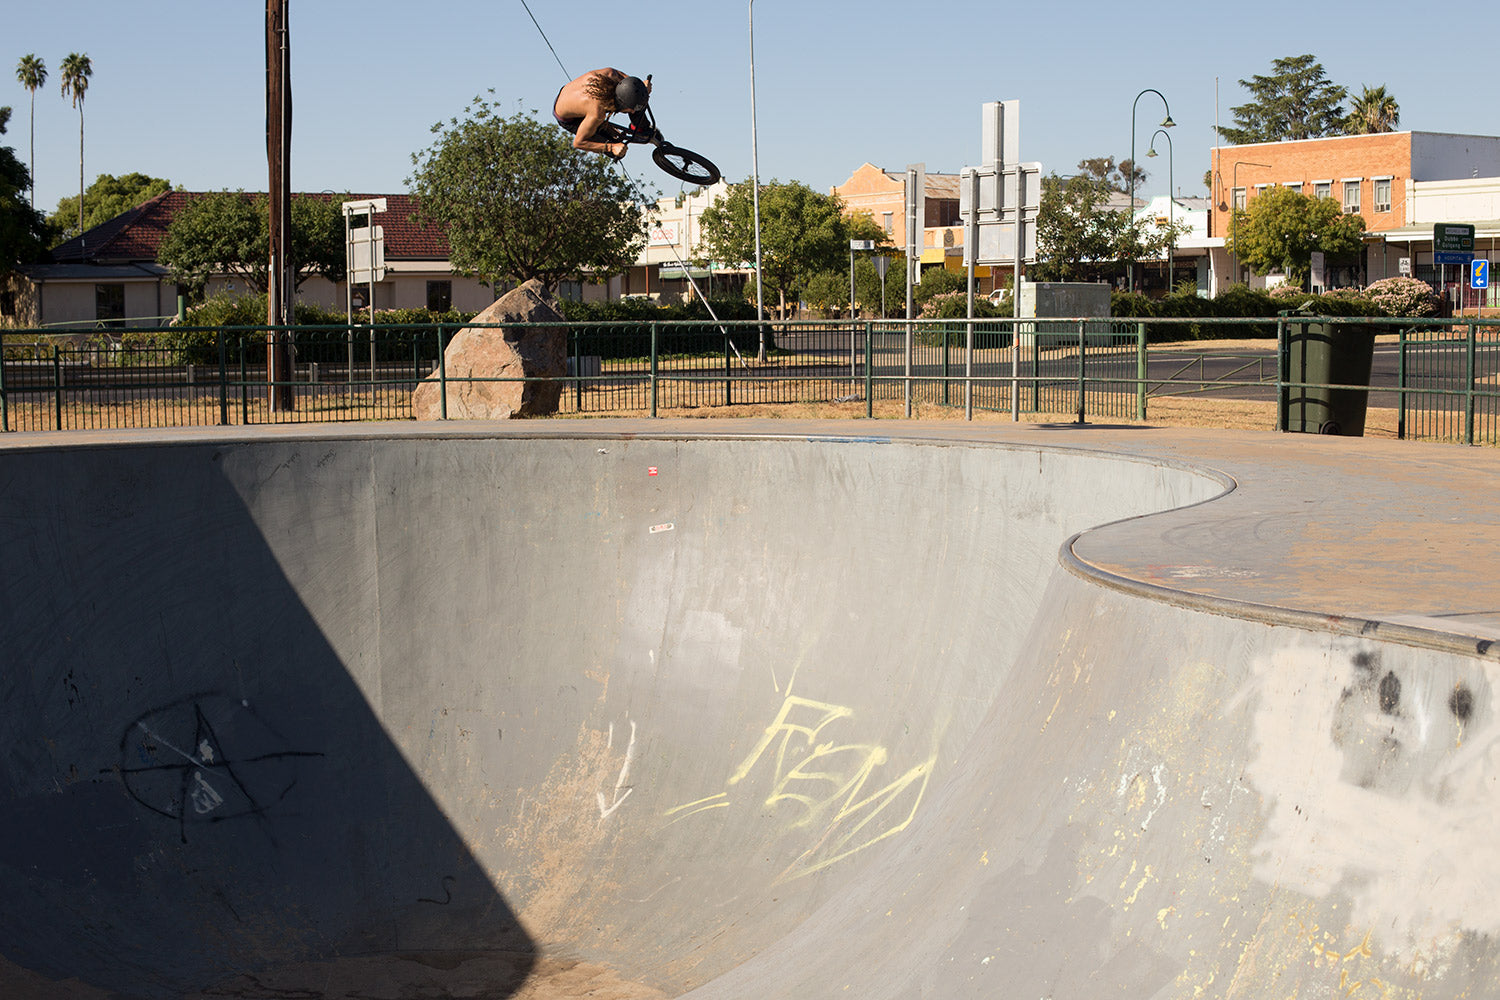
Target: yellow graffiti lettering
(785, 729)
(846, 833)
(720, 801)
(828, 781)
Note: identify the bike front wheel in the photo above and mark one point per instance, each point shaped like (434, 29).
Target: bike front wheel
(685, 165)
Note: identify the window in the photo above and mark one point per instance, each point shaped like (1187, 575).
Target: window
(439, 296)
(570, 291)
(1322, 189)
(1382, 194)
(1238, 199)
(887, 222)
(1351, 197)
(109, 304)
(1295, 187)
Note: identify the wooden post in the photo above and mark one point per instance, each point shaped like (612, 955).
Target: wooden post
(280, 283)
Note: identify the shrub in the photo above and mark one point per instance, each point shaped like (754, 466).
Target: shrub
(1131, 304)
(938, 281)
(955, 305)
(1409, 297)
(619, 328)
(1345, 302)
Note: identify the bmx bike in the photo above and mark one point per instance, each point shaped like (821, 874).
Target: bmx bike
(683, 164)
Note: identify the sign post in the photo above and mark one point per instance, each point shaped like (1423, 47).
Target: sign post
(1452, 243)
(364, 262)
(853, 325)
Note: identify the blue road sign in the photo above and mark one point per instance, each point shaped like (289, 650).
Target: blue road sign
(1479, 273)
(1460, 257)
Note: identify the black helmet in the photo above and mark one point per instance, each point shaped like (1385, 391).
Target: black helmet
(631, 94)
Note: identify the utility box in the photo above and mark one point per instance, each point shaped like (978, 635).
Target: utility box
(1069, 299)
(1073, 299)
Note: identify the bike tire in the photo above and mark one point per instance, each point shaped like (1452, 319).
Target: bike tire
(685, 165)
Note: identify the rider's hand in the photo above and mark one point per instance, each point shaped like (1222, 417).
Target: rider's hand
(617, 150)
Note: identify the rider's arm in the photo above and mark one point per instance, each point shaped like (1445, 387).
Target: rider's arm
(588, 127)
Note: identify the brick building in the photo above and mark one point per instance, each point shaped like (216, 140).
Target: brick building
(881, 194)
(1374, 176)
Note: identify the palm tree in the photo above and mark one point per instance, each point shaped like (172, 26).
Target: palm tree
(76, 70)
(32, 73)
(1373, 111)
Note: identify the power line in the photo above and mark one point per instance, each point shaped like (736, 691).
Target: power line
(547, 40)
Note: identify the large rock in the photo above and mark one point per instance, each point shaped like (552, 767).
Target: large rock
(503, 352)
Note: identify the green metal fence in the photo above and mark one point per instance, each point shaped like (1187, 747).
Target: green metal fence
(1440, 376)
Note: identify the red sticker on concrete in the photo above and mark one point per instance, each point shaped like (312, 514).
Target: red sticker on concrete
(651, 471)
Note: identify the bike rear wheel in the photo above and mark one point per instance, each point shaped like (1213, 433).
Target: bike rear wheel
(685, 165)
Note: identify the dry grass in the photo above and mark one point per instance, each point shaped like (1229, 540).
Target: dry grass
(1167, 411)
(1163, 411)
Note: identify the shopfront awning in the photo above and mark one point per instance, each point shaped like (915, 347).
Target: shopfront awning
(672, 272)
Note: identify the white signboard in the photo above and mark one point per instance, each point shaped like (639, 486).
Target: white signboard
(665, 234)
(361, 250)
(1403, 266)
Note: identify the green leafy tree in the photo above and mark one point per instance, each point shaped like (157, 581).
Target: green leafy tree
(107, 197)
(23, 231)
(802, 232)
(227, 232)
(1280, 229)
(827, 291)
(76, 72)
(1373, 111)
(1112, 176)
(32, 73)
(517, 201)
(868, 288)
(1296, 101)
(1081, 236)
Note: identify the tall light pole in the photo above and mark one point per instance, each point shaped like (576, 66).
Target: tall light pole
(1166, 122)
(1172, 237)
(1234, 211)
(760, 302)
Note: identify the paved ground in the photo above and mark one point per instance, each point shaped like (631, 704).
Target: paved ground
(748, 709)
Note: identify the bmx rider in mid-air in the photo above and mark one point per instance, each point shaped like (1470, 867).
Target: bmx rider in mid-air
(583, 105)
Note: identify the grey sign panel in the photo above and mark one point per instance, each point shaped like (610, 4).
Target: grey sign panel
(1004, 195)
(916, 207)
(361, 250)
(1000, 132)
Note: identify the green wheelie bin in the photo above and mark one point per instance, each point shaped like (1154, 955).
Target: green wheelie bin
(1327, 368)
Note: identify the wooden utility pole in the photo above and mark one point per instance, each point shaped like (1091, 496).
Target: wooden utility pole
(280, 281)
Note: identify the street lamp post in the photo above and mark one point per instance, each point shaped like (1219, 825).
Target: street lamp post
(1234, 211)
(760, 302)
(1166, 122)
(1171, 197)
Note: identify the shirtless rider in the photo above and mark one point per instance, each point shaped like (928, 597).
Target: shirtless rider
(584, 104)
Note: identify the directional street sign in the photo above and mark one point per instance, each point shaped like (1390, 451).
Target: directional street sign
(1479, 273)
(1453, 257)
(1452, 237)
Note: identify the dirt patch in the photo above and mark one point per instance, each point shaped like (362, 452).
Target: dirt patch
(436, 976)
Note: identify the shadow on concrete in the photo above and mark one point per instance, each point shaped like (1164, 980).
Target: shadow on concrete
(196, 792)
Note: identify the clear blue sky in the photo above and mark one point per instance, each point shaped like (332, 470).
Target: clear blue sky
(179, 85)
